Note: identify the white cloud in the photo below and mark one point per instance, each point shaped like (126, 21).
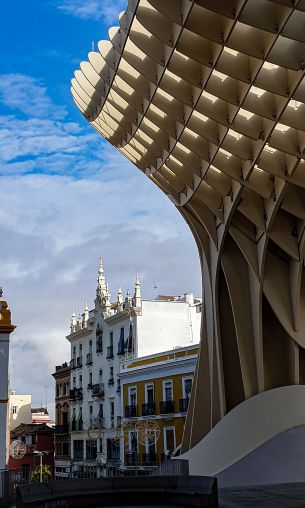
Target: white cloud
(26, 94)
(105, 10)
(67, 197)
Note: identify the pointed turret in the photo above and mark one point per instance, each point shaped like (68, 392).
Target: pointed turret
(86, 314)
(120, 299)
(137, 293)
(73, 321)
(101, 290)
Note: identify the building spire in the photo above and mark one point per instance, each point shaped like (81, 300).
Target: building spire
(137, 293)
(120, 299)
(86, 313)
(73, 321)
(101, 290)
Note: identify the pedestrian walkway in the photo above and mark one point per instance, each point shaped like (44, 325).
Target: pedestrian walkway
(290, 495)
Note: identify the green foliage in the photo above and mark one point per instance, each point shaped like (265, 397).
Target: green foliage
(46, 474)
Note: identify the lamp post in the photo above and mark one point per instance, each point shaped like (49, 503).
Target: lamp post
(40, 454)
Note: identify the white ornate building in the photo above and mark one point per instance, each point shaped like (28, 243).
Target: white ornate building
(100, 340)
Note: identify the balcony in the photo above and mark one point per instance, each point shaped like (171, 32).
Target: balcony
(89, 386)
(79, 361)
(150, 459)
(109, 352)
(131, 411)
(98, 390)
(89, 359)
(62, 429)
(183, 405)
(148, 409)
(167, 406)
(132, 459)
(73, 363)
(76, 394)
(77, 425)
(111, 381)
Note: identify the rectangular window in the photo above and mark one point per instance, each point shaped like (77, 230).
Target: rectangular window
(132, 395)
(80, 349)
(65, 449)
(91, 449)
(80, 381)
(101, 412)
(28, 439)
(169, 440)
(112, 413)
(111, 339)
(111, 372)
(133, 441)
(90, 346)
(14, 410)
(74, 351)
(78, 449)
(168, 390)
(91, 412)
(187, 387)
(100, 375)
(74, 382)
(101, 445)
(90, 378)
(149, 394)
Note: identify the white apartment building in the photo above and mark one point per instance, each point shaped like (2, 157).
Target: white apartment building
(19, 410)
(101, 339)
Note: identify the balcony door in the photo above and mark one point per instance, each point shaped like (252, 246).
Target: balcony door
(132, 396)
(169, 440)
(149, 394)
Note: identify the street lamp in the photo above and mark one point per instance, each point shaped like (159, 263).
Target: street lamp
(40, 454)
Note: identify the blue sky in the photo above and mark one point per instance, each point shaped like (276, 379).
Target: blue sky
(66, 196)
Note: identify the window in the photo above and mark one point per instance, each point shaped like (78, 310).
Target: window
(101, 412)
(14, 410)
(29, 439)
(121, 346)
(65, 449)
(111, 372)
(90, 378)
(168, 390)
(149, 394)
(100, 375)
(74, 351)
(169, 440)
(80, 350)
(91, 449)
(111, 339)
(91, 413)
(57, 390)
(112, 413)
(132, 395)
(101, 445)
(74, 382)
(99, 339)
(90, 346)
(133, 441)
(80, 381)
(78, 449)
(187, 387)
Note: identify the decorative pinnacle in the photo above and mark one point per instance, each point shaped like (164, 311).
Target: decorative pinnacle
(1, 291)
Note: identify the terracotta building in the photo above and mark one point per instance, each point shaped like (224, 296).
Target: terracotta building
(62, 436)
(37, 437)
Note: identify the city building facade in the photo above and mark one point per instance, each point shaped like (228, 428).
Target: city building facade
(37, 438)
(62, 421)
(6, 328)
(156, 390)
(101, 339)
(19, 410)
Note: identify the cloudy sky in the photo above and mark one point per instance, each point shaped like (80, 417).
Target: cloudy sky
(66, 196)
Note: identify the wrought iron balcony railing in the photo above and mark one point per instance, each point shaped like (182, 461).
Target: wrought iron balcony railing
(148, 409)
(76, 394)
(149, 459)
(98, 390)
(131, 411)
(62, 429)
(132, 459)
(183, 405)
(109, 352)
(89, 359)
(167, 406)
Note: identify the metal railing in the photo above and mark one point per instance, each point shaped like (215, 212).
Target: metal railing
(131, 411)
(111, 381)
(98, 390)
(109, 352)
(167, 406)
(149, 459)
(89, 359)
(76, 394)
(148, 409)
(183, 405)
(62, 429)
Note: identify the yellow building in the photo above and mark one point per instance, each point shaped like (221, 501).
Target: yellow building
(155, 393)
